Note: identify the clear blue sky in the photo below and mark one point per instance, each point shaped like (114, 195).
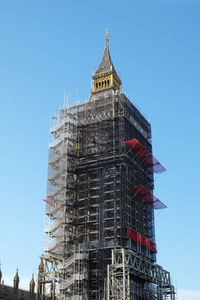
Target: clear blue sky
(48, 47)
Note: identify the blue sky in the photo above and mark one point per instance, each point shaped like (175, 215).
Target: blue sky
(51, 47)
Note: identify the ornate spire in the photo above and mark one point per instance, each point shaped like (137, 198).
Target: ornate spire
(0, 273)
(16, 280)
(41, 266)
(107, 39)
(32, 285)
(105, 76)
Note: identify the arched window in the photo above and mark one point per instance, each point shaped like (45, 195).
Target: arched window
(105, 83)
(96, 85)
(99, 84)
(108, 82)
(102, 84)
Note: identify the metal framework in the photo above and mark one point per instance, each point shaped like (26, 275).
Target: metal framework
(131, 276)
(89, 205)
(47, 278)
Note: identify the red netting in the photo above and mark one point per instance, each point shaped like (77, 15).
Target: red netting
(142, 240)
(51, 203)
(144, 155)
(147, 196)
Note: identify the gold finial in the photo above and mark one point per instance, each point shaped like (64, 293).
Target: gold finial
(107, 39)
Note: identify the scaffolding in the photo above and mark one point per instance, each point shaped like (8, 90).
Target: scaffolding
(131, 276)
(90, 208)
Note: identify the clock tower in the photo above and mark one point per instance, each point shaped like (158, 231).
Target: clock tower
(100, 204)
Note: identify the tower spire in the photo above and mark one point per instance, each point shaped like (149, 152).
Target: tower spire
(106, 38)
(16, 280)
(105, 76)
(32, 285)
(0, 273)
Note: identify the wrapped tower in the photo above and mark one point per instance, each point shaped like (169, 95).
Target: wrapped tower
(100, 203)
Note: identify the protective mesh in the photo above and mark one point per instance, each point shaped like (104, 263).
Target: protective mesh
(147, 196)
(144, 155)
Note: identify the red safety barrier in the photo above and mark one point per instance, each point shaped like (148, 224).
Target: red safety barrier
(144, 155)
(51, 203)
(140, 239)
(152, 247)
(147, 196)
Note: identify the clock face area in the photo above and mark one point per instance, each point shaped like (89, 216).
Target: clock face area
(95, 141)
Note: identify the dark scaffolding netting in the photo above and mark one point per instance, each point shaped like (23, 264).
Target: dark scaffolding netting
(144, 155)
